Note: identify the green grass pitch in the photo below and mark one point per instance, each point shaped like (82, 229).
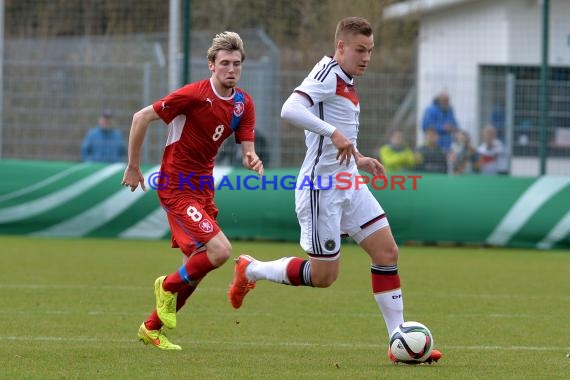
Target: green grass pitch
(71, 309)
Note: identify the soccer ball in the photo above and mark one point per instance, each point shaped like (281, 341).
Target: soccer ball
(411, 342)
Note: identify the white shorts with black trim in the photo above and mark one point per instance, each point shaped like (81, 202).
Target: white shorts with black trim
(325, 215)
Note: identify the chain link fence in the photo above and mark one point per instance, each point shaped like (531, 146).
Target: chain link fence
(65, 61)
(509, 102)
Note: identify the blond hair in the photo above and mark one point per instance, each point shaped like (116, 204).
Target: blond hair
(228, 41)
(352, 26)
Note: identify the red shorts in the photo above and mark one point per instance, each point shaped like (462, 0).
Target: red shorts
(192, 222)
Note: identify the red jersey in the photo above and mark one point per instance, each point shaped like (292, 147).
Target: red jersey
(199, 120)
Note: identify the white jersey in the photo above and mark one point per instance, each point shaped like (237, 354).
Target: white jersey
(335, 101)
(325, 211)
(492, 158)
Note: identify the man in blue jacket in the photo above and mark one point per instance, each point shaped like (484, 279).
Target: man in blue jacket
(439, 116)
(103, 143)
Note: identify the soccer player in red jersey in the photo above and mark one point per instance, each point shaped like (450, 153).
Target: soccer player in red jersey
(200, 116)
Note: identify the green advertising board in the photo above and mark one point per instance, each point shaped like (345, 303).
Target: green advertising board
(78, 199)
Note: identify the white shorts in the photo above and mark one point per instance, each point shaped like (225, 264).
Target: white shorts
(325, 215)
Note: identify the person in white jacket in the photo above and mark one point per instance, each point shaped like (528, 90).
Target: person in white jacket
(492, 154)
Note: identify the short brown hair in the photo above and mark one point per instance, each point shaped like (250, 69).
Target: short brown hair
(228, 41)
(352, 26)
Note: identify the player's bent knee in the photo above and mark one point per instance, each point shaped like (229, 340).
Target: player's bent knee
(220, 255)
(392, 254)
(219, 249)
(386, 255)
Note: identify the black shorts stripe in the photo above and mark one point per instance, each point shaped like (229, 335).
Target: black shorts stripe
(372, 221)
(317, 249)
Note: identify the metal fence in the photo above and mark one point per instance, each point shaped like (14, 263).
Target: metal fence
(55, 88)
(51, 100)
(57, 79)
(509, 98)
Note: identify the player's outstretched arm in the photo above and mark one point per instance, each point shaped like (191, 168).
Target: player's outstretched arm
(141, 120)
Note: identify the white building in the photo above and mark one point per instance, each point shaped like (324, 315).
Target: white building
(457, 38)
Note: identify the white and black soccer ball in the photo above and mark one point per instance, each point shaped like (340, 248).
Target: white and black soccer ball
(411, 342)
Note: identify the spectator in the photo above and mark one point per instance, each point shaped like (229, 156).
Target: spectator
(498, 119)
(439, 116)
(492, 156)
(432, 157)
(397, 155)
(462, 157)
(103, 143)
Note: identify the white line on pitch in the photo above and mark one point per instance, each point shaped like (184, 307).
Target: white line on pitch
(87, 339)
(145, 313)
(246, 314)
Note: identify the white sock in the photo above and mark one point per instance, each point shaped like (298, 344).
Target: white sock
(275, 271)
(391, 305)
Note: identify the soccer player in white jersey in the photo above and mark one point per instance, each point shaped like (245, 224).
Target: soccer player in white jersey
(326, 106)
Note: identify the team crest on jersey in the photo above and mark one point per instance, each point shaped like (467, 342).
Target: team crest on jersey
(206, 226)
(238, 109)
(330, 245)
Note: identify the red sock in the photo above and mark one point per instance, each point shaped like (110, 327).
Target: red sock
(298, 272)
(385, 282)
(183, 294)
(153, 322)
(195, 269)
